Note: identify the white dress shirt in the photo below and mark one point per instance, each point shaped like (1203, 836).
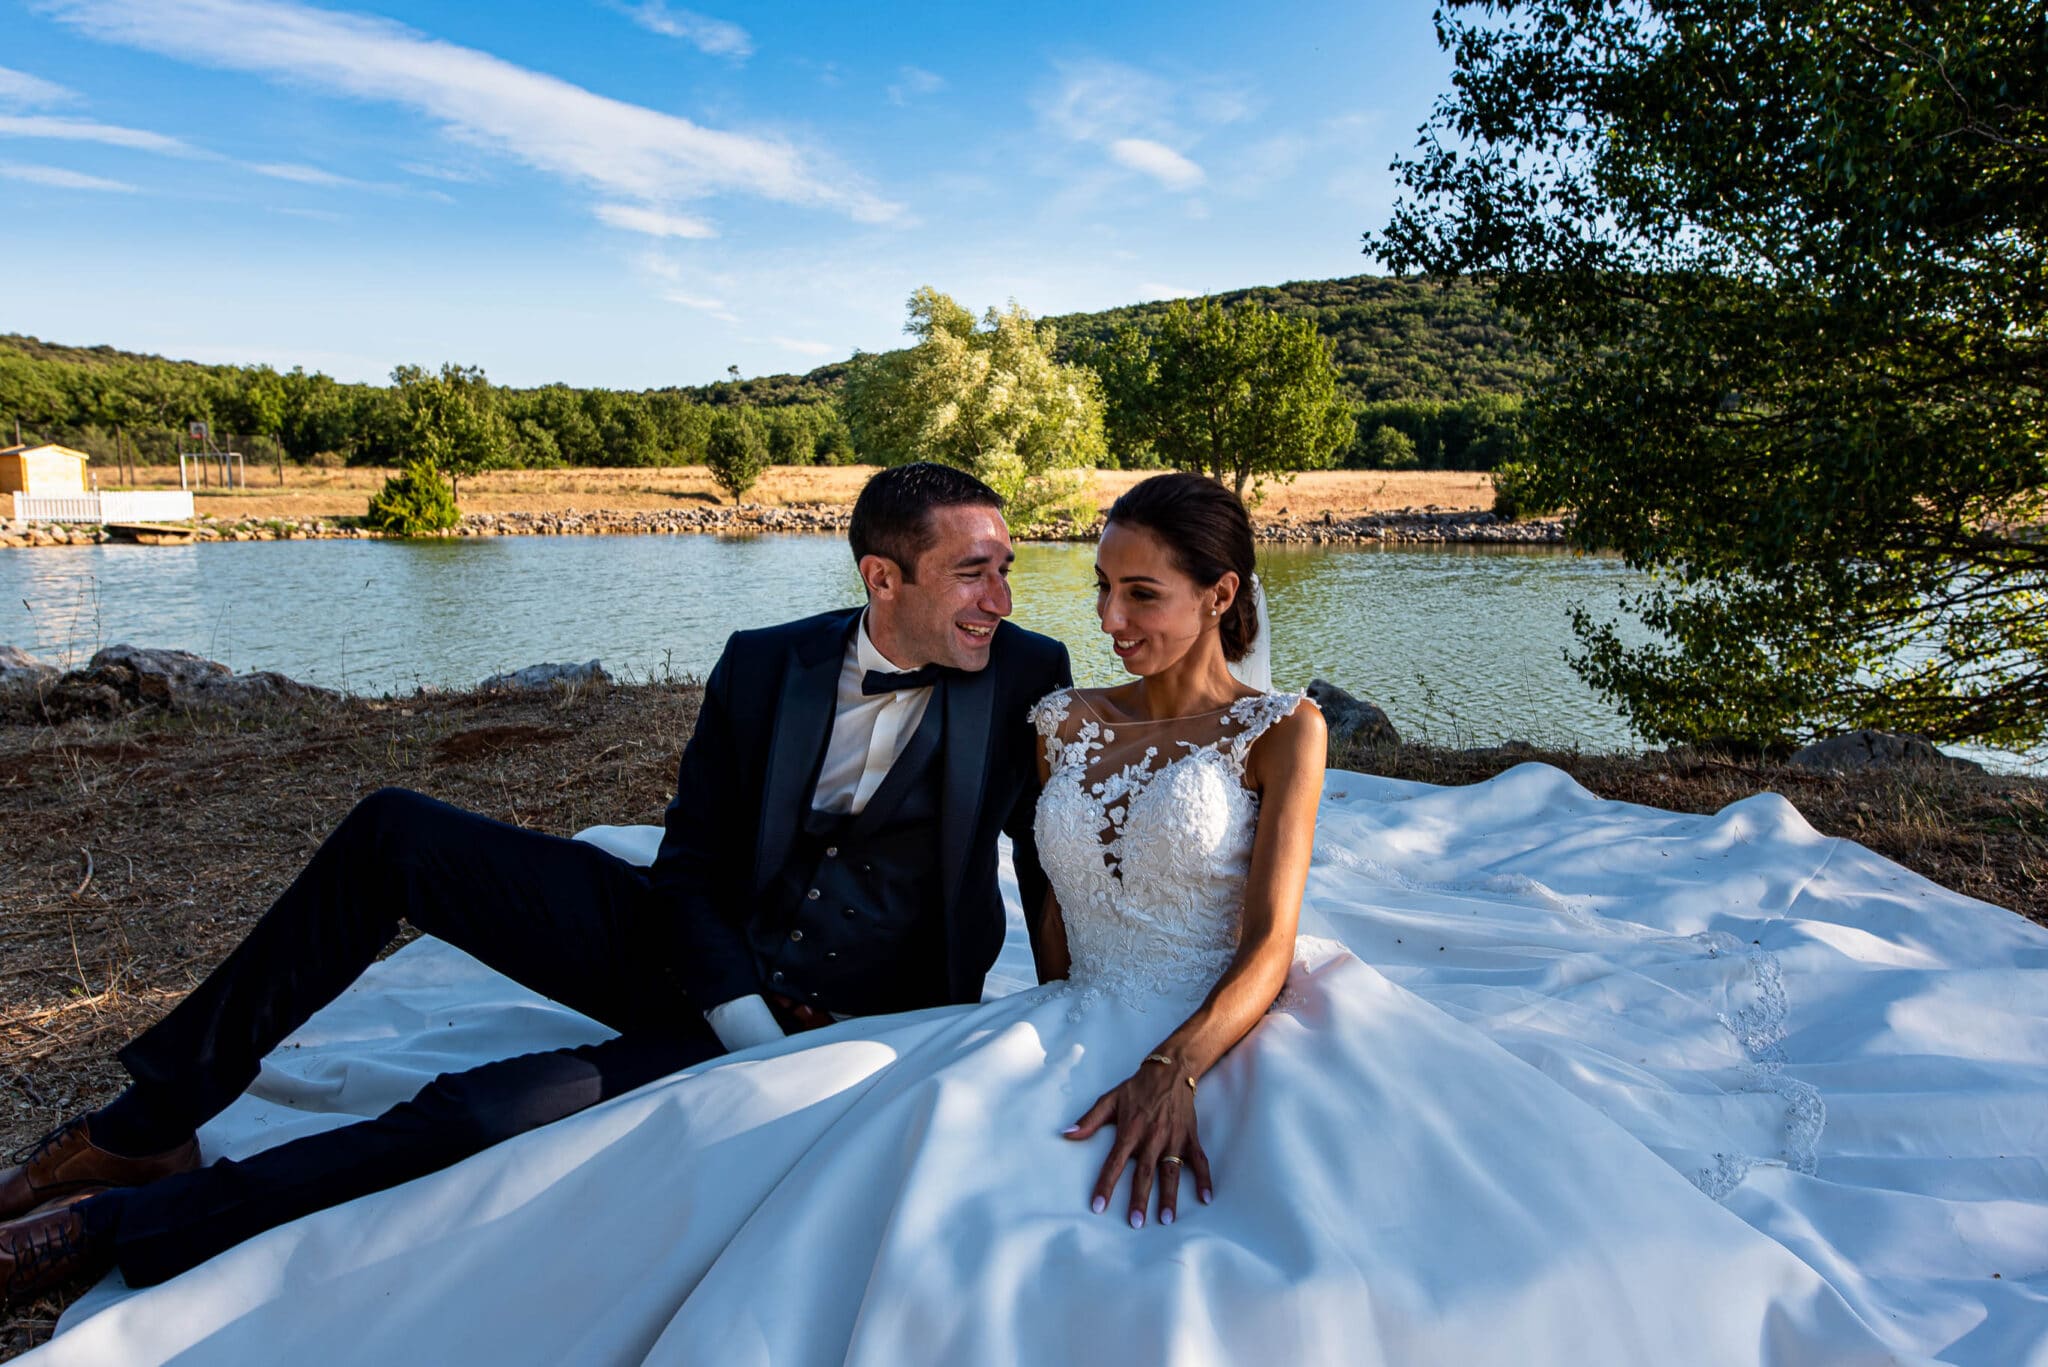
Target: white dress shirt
(869, 732)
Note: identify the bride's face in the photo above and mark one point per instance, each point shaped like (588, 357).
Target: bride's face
(1152, 611)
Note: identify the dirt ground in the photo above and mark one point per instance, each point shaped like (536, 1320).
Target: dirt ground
(308, 493)
(138, 852)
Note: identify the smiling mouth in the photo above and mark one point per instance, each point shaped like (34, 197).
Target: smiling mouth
(978, 632)
(1122, 644)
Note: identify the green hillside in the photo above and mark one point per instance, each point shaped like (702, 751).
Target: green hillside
(1438, 363)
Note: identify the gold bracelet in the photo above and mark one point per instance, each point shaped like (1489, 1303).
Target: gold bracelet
(1171, 1062)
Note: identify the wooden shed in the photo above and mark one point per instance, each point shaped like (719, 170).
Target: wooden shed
(42, 471)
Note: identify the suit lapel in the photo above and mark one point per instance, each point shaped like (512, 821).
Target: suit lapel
(803, 724)
(970, 702)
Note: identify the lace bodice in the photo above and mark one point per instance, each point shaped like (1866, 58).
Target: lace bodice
(1145, 829)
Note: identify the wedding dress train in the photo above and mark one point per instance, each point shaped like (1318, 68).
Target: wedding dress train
(1514, 1122)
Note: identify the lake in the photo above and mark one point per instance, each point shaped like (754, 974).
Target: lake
(1460, 644)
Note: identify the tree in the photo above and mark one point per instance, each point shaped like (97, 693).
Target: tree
(735, 453)
(450, 421)
(1241, 394)
(986, 397)
(1787, 259)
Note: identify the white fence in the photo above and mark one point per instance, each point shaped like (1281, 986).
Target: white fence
(153, 505)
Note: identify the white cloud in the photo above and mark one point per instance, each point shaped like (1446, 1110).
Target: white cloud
(317, 215)
(310, 175)
(914, 81)
(654, 222)
(20, 88)
(1139, 120)
(57, 178)
(715, 307)
(714, 37)
(805, 348)
(1158, 161)
(452, 174)
(84, 130)
(623, 150)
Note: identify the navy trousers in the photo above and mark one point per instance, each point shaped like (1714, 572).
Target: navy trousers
(560, 916)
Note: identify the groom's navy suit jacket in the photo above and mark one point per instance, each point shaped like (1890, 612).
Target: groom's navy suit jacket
(744, 790)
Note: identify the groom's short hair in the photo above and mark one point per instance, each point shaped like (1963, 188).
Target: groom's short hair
(892, 517)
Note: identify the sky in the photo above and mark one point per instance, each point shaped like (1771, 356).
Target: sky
(629, 193)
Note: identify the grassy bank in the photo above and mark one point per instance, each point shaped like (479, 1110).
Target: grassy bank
(139, 851)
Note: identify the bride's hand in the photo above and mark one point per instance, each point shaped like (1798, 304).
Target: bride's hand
(1153, 1112)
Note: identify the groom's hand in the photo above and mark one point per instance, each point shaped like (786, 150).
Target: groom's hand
(795, 1016)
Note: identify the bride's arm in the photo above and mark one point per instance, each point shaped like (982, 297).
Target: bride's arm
(1154, 1109)
(1049, 937)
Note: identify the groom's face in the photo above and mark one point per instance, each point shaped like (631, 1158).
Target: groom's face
(946, 614)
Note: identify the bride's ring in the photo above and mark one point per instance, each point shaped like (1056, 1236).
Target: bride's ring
(1170, 1158)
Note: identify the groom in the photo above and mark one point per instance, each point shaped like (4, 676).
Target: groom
(830, 851)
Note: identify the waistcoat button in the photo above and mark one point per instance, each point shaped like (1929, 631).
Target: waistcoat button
(831, 851)
(813, 895)
(796, 935)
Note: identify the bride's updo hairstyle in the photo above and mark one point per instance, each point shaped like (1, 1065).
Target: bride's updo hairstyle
(1209, 534)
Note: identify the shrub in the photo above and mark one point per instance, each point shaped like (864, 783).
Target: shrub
(1512, 496)
(414, 502)
(1390, 448)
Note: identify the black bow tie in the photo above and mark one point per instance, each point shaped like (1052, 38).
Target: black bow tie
(887, 681)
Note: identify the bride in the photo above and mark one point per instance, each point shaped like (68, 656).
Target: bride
(1371, 1182)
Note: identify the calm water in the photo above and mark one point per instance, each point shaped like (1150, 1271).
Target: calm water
(1456, 643)
(1459, 644)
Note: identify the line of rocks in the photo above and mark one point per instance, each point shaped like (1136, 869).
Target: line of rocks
(1407, 525)
(123, 678)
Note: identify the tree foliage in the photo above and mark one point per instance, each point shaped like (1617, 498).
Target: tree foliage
(985, 396)
(1787, 261)
(735, 454)
(448, 420)
(416, 501)
(1240, 394)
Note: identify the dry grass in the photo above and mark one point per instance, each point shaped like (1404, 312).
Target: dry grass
(139, 851)
(310, 493)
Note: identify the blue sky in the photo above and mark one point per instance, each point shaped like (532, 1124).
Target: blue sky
(631, 193)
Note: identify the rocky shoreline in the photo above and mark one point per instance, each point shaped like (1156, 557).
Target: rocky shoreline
(1405, 526)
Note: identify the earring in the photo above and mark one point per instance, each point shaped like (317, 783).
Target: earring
(1212, 612)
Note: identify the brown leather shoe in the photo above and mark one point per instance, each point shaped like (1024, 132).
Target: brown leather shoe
(65, 1163)
(41, 1252)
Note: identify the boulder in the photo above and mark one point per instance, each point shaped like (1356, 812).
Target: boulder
(125, 678)
(161, 676)
(23, 672)
(1864, 750)
(539, 677)
(1352, 719)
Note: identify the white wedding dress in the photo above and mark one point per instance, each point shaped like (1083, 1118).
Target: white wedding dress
(1483, 1169)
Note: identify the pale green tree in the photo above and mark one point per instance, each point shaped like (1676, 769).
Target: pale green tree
(986, 396)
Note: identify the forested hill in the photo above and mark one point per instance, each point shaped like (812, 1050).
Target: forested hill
(1437, 363)
(1394, 338)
